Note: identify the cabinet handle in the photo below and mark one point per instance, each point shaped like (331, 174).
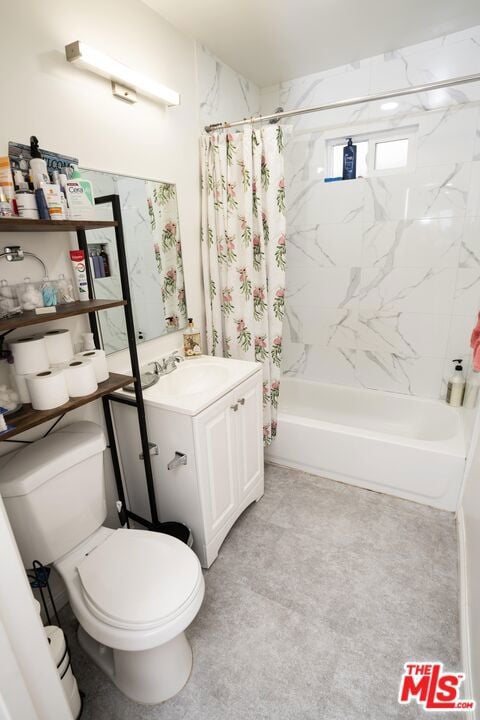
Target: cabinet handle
(241, 401)
(234, 407)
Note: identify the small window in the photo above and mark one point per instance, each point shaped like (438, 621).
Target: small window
(379, 153)
(391, 154)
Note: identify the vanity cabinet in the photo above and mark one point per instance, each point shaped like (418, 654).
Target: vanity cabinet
(224, 469)
(229, 455)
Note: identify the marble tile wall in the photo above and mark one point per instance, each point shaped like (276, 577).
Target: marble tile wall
(383, 273)
(224, 95)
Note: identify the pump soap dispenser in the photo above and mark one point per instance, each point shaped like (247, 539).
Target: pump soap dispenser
(456, 385)
(349, 160)
(191, 341)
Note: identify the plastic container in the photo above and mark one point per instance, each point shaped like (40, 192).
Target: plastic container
(29, 294)
(80, 197)
(9, 303)
(65, 291)
(456, 385)
(472, 390)
(49, 292)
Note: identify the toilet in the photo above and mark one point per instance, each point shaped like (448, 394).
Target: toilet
(133, 592)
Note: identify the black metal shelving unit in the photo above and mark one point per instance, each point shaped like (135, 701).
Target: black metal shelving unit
(28, 418)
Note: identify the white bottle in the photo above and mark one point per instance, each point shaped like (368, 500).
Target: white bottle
(456, 386)
(38, 166)
(38, 171)
(472, 390)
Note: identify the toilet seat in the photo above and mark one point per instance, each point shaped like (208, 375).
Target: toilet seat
(138, 580)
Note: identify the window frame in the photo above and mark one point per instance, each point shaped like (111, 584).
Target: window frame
(373, 138)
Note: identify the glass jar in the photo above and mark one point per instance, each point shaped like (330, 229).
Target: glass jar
(9, 304)
(65, 291)
(29, 294)
(49, 292)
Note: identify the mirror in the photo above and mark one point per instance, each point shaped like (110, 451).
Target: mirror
(154, 258)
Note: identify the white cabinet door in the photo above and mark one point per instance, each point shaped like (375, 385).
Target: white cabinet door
(215, 452)
(249, 431)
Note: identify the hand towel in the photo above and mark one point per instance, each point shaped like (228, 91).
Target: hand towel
(476, 357)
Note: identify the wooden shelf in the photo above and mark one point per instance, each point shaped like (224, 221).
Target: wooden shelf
(63, 311)
(24, 225)
(27, 418)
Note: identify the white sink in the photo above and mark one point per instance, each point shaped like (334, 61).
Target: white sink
(193, 376)
(198, 382)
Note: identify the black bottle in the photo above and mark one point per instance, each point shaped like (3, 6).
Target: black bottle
(349, 161)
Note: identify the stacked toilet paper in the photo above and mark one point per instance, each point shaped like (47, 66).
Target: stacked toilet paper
(47, 372)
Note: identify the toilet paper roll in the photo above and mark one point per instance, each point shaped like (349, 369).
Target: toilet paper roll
(59, 346)
(48, 389)
(88, 341)
(99, 360)
(80, 377)
(22, 389)
(29, 354)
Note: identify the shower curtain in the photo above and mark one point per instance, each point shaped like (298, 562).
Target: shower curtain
(243, 252)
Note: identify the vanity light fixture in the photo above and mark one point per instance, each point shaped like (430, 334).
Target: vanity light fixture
(87, 57)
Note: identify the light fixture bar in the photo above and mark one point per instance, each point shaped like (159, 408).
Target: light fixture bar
(85, 56)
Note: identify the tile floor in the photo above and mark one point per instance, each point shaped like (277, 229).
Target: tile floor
(319, 595)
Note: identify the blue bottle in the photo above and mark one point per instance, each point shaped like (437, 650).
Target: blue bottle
(42, 206)
(349, 161)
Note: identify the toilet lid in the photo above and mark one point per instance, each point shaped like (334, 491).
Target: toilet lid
(138, 579)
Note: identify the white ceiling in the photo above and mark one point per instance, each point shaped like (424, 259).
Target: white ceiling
(268, 41)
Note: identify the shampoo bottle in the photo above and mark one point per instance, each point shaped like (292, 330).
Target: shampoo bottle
(456, 385)
(349, 161)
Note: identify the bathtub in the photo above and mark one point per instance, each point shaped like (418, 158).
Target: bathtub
(397, 444)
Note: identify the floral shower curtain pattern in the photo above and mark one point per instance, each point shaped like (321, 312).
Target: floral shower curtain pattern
(163, 214)
(243, 250)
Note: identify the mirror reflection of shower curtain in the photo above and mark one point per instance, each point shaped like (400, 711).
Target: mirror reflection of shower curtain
(244, 251)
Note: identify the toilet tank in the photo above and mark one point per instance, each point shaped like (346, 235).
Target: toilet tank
(54, 491)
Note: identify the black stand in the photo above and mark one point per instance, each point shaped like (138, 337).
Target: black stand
(170, 528)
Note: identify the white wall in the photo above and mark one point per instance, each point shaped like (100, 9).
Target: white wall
(74, 112)
(223, 94)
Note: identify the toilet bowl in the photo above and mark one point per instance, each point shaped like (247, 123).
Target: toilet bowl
(133, 592)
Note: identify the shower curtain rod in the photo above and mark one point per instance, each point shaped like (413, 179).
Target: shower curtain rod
(351, 101)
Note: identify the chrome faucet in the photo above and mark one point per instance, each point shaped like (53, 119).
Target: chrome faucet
(167, 365)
